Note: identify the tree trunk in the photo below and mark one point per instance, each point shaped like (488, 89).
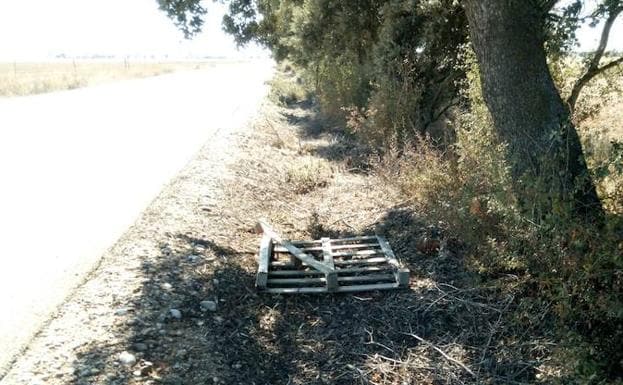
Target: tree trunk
(548, 167)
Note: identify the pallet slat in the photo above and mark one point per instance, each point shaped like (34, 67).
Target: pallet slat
(308, 242)
(360, 261)
(402, 274)
(357, 253)
(341, 289)
(281, 273)
(364, 269)
(334, 247)
(356, 278)
(350, 270)
(327, 254)
(266, 251)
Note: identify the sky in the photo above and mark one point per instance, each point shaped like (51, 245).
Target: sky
(40, 29)
(588, 37)
(43, 29)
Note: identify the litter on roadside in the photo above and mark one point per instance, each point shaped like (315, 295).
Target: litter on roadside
(327, 265)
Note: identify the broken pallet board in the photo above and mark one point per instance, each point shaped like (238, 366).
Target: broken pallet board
(328, 265)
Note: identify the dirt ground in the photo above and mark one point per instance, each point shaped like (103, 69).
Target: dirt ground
(139, 318)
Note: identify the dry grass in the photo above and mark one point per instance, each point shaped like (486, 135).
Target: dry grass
(605, 126)
(18, 79)
(307, 173)
(599, 130)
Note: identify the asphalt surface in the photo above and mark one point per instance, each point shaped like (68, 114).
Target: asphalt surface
(78, 167)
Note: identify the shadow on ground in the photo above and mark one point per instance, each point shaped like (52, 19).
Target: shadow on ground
(397, 337)
(340, 146)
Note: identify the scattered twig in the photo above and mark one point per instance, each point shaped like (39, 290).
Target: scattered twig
(466, 301)
(494, 329)
(373, 342)
(447, 357)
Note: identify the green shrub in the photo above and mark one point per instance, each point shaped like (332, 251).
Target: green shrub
(288, 89)
(569, 271)
(341, 81)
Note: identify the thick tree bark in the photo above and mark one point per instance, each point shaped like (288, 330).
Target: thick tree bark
(549, 170)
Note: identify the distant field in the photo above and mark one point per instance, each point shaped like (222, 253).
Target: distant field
(17, 79)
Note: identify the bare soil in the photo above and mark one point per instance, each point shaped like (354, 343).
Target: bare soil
(196, 242)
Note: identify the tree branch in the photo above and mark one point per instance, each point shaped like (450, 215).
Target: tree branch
(593, 68)
(547, 5)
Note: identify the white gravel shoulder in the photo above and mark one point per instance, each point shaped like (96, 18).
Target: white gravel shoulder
(78, 167)
(95, 314)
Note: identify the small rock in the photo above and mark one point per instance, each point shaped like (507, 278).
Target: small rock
(122, 311)
(127, 358)
(219, 319)
(208, 305)
(176, 313)
(193, 258)
(166, 286)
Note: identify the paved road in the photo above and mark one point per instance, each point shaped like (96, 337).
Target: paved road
(78, 167)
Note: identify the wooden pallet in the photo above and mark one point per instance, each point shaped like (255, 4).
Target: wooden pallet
(327, 265)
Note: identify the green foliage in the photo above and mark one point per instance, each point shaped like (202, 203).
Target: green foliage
(393, 62)
(186, 14)
(561, 27)
(569, 272)
(416, 73)
(467, 188)
(287, 88)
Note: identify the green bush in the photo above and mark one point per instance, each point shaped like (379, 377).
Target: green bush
(569, 271)
(287, 88)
